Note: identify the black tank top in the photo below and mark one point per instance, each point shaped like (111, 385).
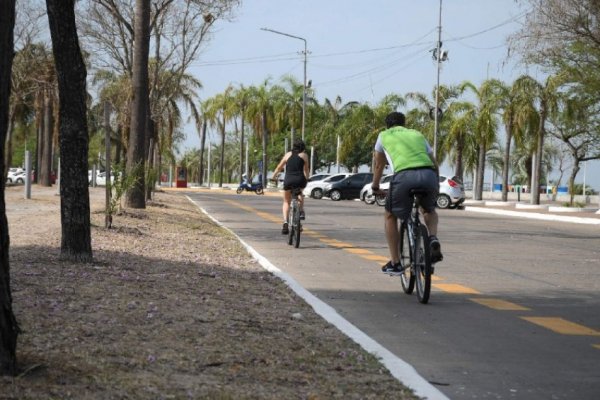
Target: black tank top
(294, 165)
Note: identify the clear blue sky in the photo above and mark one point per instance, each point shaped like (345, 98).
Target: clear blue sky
(363, 50)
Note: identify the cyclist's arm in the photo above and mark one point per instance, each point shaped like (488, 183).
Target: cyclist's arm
(380, 161)
(306, 170)
(281, 165)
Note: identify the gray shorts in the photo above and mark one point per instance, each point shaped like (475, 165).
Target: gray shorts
(399, 200)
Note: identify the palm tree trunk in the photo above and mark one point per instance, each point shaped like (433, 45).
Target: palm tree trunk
(202, 143)
(9, 329)
(535, 185)
(222, 153)
(136, 153)
(242, 147)
(506, 161)
(480, 171)
(459, 168)
(45, 166)
(574, 173)
(264, 148)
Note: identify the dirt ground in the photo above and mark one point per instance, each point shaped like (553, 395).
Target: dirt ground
(173, 307)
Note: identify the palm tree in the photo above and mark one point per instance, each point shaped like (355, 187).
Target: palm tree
(486, 125)
(241, 102)
(461, 119)
(220, 110)
(542, 98)
(262, 117)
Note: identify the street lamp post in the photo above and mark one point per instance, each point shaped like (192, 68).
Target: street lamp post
(438, 57)
(304, 84)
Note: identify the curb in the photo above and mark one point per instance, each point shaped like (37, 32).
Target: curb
(532, 215)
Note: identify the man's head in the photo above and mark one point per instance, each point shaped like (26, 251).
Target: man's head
(298, 146)
(394, 119)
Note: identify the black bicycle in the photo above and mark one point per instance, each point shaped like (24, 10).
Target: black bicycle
(415, 253)
(294, 224)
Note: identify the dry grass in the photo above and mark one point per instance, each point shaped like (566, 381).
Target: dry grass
(172, 308)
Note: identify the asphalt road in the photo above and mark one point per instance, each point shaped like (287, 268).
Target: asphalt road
(515, 308)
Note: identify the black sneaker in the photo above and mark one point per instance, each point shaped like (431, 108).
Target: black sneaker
(284, 229)
(302, 215)
(392, 269)
(436, 249)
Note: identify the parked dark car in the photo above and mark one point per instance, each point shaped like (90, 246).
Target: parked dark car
(348, 188)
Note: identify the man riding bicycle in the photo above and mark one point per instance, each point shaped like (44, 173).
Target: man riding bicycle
(296, 177)
(412, 161)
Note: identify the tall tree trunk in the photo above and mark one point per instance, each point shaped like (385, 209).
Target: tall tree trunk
(46, 151)
(264, 149)
(242, 147)
(535, 184)
(202, 142)
(459, 168)
(76, 243)
(136, 197)
(9, 329)
(479, 173)
(506, 161)
(151, 162)
(8, 141)
(222, 152)
(39, 143)
(574, 173)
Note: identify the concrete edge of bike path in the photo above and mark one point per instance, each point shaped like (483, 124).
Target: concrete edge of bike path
(400, 369)
(534, 215)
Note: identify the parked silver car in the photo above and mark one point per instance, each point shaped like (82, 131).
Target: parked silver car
(452, 192)
(451, 195)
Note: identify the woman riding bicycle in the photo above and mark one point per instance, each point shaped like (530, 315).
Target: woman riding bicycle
(296, 177)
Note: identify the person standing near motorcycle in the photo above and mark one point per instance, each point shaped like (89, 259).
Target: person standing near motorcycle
(296, 177)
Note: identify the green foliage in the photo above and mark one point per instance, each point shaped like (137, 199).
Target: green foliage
(121, 184)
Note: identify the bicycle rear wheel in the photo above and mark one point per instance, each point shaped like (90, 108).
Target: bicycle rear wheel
(297, 227)
(422, 264)
(291, 224)
(408, 277)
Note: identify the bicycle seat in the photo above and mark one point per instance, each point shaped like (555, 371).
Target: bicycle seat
(296, 191)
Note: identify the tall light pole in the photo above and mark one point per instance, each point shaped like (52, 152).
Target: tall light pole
(438, 58)
(304, 84)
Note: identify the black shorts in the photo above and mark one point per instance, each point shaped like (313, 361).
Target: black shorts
(399, 200)
(294, 182)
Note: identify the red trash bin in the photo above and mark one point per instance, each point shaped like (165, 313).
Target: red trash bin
(181, 181)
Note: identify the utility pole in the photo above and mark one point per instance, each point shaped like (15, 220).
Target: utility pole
(438, 58)
(305, 52)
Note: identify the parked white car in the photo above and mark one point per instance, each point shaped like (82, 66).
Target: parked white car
(366, 194)
(315, 189)
(15, 175)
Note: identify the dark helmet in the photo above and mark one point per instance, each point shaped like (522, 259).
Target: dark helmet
(298, 146)
(394, 119)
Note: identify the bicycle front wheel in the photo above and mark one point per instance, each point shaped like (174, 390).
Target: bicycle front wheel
(422, 260)
(408, 277)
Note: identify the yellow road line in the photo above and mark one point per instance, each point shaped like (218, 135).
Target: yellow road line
(455, 288)
(562, 326)
(374, 257)
(597, 346)
(358, 251)
(498, 304)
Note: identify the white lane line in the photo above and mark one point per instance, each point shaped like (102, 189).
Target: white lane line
(545, 217)
(399, 368)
